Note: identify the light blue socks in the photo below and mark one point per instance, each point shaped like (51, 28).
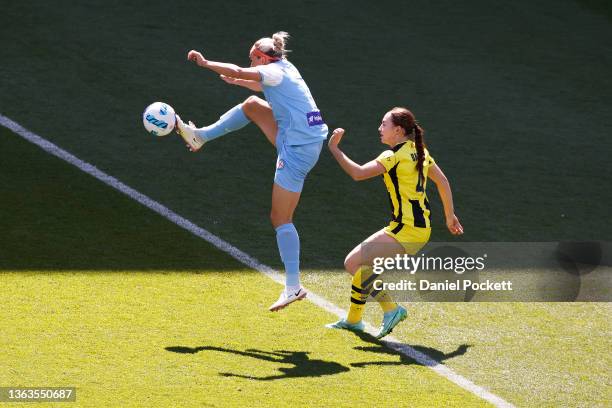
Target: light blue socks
(288, 242)
(231, 120)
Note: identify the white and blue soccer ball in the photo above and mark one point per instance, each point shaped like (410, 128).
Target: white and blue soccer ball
(158, 119)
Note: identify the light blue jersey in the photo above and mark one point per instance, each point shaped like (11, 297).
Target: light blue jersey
(295, 111)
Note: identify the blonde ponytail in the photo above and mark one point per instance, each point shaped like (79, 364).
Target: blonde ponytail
(274, 47)
(280, 40)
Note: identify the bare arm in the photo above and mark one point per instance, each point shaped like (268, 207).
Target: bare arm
(446, 195)
(356, 171)
(223, 68)
(252, 85)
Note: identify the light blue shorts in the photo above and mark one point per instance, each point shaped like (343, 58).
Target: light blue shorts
(294, 162)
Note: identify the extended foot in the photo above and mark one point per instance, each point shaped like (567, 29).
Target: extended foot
(285, 299)
(344, 325)
(390, 320)
(187, 132)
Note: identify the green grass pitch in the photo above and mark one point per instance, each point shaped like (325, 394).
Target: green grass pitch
(191, 327)
(100, 293)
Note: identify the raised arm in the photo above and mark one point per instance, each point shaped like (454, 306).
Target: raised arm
(356, 171)
(245, 83)
(446, 195)
(223, 68)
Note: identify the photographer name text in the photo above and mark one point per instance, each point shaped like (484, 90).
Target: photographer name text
(447, 285)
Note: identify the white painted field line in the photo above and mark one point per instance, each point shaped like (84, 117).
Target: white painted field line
(245, 258)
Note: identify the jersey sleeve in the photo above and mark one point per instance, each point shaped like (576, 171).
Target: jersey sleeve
(387, 159)
(271, 74)
(429, 161)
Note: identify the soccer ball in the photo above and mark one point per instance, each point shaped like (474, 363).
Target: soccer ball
(158, 119)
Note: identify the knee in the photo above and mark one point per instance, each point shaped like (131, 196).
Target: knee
(277, 218)
(251, 103)
(350, 264)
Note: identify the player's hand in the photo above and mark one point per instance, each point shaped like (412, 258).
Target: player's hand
(229, 80)
(335, 138)
(453, 225)
(196, 57)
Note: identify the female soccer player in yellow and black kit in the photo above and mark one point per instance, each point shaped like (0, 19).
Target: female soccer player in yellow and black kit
(405, 169)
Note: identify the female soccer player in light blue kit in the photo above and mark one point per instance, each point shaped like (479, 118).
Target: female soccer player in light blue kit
(290, 120)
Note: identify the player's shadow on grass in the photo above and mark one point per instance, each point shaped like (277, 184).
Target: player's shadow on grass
(428, 356)
(303, 366)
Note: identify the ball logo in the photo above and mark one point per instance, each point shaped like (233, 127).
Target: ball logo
(157, 122)
(164, 109)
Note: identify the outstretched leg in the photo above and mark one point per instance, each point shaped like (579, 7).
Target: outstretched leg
(252, 109)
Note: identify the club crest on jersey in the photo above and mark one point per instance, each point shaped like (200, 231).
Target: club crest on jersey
(280, 163)
(314, 118)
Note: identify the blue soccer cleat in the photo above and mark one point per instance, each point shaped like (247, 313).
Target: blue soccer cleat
(390, 320)
(344, 325)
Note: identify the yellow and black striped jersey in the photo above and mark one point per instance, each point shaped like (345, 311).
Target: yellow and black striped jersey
(407, 195)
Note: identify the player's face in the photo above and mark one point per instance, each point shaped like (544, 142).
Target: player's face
(255, 59)
(388, 131)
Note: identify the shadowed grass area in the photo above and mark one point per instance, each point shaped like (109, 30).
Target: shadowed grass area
(514, 100)
(602, 7)
(55, 217)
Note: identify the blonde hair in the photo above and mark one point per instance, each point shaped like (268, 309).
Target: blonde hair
(275, 46)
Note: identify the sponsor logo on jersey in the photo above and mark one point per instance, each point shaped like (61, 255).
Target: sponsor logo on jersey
(314, 118)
